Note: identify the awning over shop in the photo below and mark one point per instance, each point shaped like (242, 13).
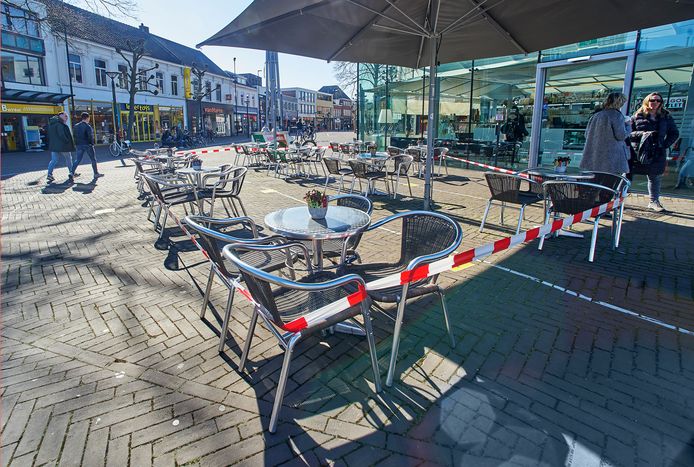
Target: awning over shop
(33, 96)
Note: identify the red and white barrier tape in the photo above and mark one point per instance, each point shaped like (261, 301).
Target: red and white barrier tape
(209, 150)
(486, 166)
(425, 270)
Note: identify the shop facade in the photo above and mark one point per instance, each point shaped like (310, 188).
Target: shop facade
(25, 124)
(537, 104)
(215, 116)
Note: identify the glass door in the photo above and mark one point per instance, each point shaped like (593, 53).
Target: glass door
(572, 94)
(568, 93)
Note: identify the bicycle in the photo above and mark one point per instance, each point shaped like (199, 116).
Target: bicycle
(118, 148)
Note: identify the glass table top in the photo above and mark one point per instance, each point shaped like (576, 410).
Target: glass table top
(339, 222)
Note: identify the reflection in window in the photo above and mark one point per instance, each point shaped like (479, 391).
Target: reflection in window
(20, 68)
(75, 65)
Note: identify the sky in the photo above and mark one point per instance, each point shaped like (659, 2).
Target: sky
(190, 23)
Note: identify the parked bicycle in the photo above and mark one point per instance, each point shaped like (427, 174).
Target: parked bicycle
(119, 148)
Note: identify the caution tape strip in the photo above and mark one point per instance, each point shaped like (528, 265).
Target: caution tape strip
(486, 166)
(209, 150)
(422, 272)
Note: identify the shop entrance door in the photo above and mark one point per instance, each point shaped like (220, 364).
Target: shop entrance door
(11, 133)
(568, 93)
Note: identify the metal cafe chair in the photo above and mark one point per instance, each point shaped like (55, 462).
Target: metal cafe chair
(167, 192)
(394, 151)
(287, 308)
(425, 237)
(228, 190)
(440, 157)
(364, 171)
(214, 234)
(621, 185)
(334, 167)
(417, 157)
(569, 198)
(506, 189)
(402, 164)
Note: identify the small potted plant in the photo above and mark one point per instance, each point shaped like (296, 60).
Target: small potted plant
(561, 163)
(317, 203)
(196, 163)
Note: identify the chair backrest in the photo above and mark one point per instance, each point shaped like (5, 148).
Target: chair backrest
(333, 165)
(259, 283)
(428, 234)
(503, 187)
(213, 238)
(403, 163)
(359, 168)
(353, 201)
(416, 153)
(394, 151)
(575, 197)
(616, 182)
(357, 202)
(236, 177)
(439, 152)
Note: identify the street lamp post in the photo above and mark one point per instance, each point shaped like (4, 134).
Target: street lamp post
(248, 117)
(260, 123)
(116, 115)
(199, 95)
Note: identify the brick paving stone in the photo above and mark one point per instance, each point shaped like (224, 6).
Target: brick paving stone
(103, 348)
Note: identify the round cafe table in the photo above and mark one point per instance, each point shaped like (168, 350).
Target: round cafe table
(296, 223)
(571, 174)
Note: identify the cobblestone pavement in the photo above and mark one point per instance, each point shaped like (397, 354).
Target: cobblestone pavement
(106, 361)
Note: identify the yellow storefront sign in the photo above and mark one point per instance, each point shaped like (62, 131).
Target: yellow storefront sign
(186, 83)
(31, 109)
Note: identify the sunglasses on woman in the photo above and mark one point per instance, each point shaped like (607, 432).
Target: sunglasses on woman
(655, 100)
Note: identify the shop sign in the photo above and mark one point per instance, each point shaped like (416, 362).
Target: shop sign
(186, 83)
(32, 109)
(138, 107)
(213, 110)
(675, 102)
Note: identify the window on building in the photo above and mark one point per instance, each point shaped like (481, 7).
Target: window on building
(75, 65)
(218, 92)
(19, 20)
(159, 81)
(100, 72)
(194, 85)
(123, 77)
(142, 79)
(208, 89)
(174, 85)
(20, 68)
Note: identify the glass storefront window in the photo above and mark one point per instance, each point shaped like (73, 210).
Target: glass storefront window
(602, 45)
(664, 65)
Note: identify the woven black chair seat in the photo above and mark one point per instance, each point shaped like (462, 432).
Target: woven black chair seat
(375, 174)
(179, 198)
(292, 303)
(373, 271)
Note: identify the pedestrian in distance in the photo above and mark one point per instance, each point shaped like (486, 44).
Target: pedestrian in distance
(652, 119)
(606, 149)
(84, 139)
(61, 144)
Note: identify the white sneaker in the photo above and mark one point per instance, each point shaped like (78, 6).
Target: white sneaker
(656, 206)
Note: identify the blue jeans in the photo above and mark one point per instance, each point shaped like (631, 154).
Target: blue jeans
(81, 149)
(654, 186)
(54, 161)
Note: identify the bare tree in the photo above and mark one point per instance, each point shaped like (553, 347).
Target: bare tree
(136, 80)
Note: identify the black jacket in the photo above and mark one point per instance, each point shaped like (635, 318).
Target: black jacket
(84, 134)
(59, 136)
(666, 135)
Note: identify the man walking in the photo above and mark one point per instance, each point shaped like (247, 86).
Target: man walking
(60, 143)
(84, 139)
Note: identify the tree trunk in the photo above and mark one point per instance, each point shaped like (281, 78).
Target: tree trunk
(131, 100)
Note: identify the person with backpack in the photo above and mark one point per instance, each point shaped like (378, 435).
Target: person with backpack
(60, 143)
(653, 132)
(84, 139)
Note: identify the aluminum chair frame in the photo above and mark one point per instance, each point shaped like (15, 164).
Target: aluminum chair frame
(413, 264)
(361, 167)
(594, 236)
(217, 268)
(289, 339)
(337, 171)
(400, 161)
(518, 201)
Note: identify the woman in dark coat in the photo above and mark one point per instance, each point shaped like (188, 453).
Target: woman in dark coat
(652, 116)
